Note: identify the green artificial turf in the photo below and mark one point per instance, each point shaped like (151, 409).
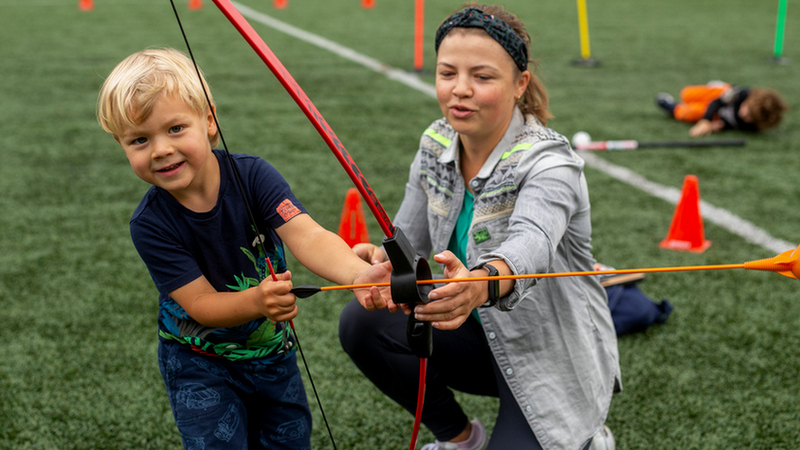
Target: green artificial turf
(78, 337)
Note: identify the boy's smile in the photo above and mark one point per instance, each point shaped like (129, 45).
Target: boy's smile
(171, 150)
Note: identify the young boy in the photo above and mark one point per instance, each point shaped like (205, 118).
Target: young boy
(225, 352)
(718, 106)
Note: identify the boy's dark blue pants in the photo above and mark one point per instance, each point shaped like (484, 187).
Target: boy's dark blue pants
(221, 404)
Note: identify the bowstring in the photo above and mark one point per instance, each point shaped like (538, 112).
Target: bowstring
(259, 239)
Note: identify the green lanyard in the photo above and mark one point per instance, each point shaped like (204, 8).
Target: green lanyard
(460, 236)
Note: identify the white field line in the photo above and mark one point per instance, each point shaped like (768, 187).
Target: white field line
(347, 53)
(723, 218)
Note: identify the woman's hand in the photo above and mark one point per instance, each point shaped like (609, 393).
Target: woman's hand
(452, 303)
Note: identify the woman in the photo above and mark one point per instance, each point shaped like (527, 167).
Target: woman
(493, 191)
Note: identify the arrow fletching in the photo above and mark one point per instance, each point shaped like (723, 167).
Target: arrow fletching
(305, 291)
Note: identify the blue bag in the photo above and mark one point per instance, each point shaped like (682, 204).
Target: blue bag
(632, 311)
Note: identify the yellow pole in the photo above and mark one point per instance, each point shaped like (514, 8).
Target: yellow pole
(583, 26)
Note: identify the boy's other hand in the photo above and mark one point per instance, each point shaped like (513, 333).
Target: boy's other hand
(370, 253)
(374, 297)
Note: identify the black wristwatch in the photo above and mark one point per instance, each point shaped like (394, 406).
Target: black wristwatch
(494, 285)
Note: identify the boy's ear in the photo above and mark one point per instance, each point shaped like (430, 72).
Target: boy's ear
(212, 124)
(116, 138)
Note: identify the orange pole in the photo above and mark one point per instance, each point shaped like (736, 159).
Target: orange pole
(419, 25)
(86, 5)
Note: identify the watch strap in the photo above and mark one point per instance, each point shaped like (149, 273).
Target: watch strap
(493, 285)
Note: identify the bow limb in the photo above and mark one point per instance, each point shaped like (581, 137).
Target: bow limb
(407, 266)
(320, 124)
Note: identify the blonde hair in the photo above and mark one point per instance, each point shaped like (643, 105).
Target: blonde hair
(534, 100)
(133, 87)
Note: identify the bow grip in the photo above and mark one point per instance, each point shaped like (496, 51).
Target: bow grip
(407, 268)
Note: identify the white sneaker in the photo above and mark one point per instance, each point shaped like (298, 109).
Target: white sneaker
(603, 440)
(482, 439)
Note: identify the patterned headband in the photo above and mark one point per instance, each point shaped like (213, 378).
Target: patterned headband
(496, 28)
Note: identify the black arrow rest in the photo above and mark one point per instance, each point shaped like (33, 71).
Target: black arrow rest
(407, 268)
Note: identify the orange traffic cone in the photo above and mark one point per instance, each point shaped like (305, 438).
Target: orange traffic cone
(280, 4)
(353, 225)
(86, 5)
(195, 5)
(686, 230)
(367, 4)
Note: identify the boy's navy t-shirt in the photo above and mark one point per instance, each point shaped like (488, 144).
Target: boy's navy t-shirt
(179, 245)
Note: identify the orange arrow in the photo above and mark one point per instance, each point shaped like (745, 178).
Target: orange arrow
(786, 264)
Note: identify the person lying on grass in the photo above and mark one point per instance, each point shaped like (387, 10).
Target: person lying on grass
(225, 351)
(719, 106)
(493, 191)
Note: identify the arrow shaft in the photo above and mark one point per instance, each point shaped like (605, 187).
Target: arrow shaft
(550, 275)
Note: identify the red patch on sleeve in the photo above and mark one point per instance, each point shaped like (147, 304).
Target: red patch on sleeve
(287, 210)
